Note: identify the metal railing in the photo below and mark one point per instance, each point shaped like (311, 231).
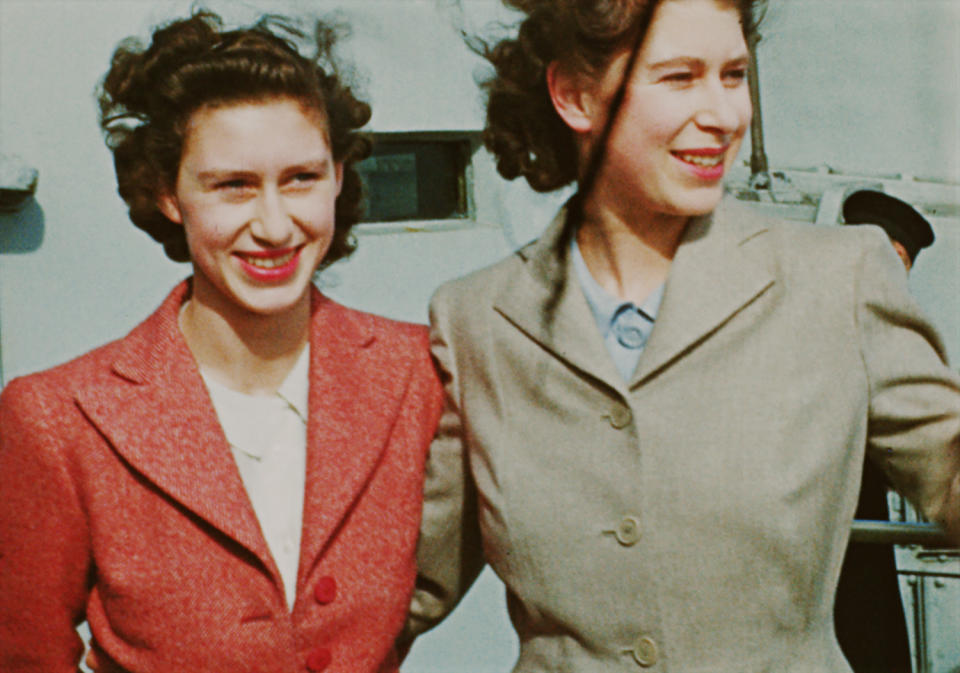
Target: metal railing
(929, 564)
(900, 532)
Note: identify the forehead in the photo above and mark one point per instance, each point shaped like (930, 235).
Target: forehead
(694, 28)
(263, 133)
(271, 115)
(681, 30)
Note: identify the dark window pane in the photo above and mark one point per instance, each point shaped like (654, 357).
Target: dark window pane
(415, 180)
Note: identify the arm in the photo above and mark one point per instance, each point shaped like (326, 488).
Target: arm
(914, 424)
(44, 549)
(449, 554)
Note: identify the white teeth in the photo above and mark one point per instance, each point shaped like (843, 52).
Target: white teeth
(707, 162)
(269, 262)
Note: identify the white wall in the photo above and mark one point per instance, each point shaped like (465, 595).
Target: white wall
(865, 86)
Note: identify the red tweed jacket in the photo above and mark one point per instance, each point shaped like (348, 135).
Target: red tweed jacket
(120, 503)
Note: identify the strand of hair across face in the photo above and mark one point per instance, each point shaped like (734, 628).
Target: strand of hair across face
(598, 153)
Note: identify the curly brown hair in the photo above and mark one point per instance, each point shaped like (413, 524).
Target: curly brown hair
(148, 95)
(523, 130)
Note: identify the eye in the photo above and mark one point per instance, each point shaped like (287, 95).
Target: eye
(679, 77)
(301, 180)
(735, 75)
(232, 185)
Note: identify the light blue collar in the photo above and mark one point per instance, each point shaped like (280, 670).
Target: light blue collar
(604, 305)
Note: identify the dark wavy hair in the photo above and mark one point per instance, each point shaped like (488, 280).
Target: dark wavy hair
(523, 131)
(148, 95)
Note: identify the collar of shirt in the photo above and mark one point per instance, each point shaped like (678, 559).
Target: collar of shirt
(607, 308)
(295, 389)
(242, 416)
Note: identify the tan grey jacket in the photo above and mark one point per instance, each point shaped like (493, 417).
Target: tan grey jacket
(694, 518)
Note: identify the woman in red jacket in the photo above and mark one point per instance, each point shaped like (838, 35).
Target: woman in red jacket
(235, 485)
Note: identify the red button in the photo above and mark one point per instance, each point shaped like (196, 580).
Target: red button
(319, 659)
(326, 590)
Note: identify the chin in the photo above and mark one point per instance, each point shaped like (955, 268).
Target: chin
(273, 303)
(703, 202)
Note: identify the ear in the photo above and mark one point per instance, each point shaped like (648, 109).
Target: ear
(338, 168)
(168, 205)
(576, 105)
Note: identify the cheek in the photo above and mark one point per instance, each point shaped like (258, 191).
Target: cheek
(902, 253)
(656, 119)
(207, 226)
(744, 107)
(319, 210)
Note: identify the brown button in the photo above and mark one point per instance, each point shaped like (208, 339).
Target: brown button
(645, 651)
(325, 590)
(619, 416)
(319, 659)
(627, 531)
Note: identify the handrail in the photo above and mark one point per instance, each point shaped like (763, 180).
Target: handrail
(899, 532)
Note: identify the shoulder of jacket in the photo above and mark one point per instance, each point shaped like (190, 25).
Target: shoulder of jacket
(826, 247)
(65, 377)
(392, 338)
(46, 397)
(481, 283)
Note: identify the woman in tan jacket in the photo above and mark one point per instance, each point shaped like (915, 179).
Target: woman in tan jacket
(658, 413)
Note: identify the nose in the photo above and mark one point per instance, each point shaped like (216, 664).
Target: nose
(723, 109)
(271, 225)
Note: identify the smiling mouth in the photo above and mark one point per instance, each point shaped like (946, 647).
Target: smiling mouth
(269, 262)
(704, 158)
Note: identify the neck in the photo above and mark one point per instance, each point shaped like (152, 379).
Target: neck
(629, 253)
(250, 353)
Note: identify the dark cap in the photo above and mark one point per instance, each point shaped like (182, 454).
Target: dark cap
(899, 219)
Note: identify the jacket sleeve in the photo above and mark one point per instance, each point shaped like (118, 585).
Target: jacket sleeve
(914, 414)
(449, 554)
(44, 548)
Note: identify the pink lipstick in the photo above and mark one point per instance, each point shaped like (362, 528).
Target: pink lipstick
(705, 163)
(269, 266)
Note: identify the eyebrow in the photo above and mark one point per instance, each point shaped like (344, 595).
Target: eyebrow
(690, 61)
(312, 165)
(221, 173)
(319, 166)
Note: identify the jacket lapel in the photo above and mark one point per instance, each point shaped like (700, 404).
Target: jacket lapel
(544, 300)
(349, 423)
(158, 417)
(711, 278)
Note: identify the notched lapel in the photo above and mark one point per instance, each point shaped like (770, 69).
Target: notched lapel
(158, 417)
(713, 276)
(349, 424)
(543, 299)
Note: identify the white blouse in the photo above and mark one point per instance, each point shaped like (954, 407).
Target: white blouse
(268, 437)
